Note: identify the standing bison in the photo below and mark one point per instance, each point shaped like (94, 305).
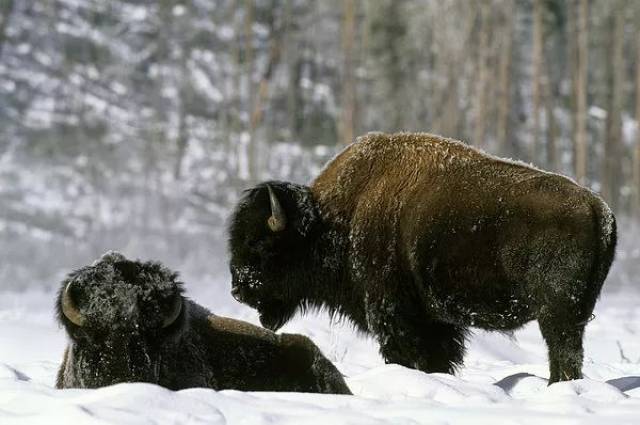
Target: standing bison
(128, 321)
(415, 238)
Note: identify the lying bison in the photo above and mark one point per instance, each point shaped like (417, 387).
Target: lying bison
(128, 321)
(416, 238)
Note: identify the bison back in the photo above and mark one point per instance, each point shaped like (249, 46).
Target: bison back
(479, 236)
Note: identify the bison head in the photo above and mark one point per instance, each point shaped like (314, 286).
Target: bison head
(270, 237)
(120, 316)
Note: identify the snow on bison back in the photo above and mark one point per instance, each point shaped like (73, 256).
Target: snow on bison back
(416, 238)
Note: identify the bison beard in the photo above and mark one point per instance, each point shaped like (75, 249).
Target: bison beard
(128, 321)
(416, 238)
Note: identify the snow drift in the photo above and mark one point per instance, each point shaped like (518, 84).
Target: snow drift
(504, 379)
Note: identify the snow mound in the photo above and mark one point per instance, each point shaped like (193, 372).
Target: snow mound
(503, 381)
(394, 382)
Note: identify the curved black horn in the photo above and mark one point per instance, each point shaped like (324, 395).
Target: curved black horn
(176, 309)
(69, 308)
(278, 220)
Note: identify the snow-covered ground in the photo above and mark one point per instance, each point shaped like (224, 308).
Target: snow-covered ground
(503, 381)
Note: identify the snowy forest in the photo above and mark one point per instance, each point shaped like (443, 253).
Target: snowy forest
(135, 125)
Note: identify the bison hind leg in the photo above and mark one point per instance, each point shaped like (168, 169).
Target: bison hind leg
(328, 378)
(306, 369)
(563, 332)
(564, 343)
(562, 317)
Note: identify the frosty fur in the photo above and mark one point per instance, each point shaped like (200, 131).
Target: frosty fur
(124, 303)
(416, 238)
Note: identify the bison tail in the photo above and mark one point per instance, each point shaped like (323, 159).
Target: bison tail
(606, 239)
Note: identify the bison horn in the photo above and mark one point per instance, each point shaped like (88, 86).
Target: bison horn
(278, 220)
(175, 312)
(69, 308)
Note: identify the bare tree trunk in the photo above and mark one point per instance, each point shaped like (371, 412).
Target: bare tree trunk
(572, 72)
(263, 86)
(481, 88)
(347, 123)
(611, 161)
(183, 136)
(275, 50)
(449, 118)
(504, 72)
(552, 128)
(581, 92)
(183, 100)
(292, 61)
(229, 89)
(636, 156)
(236, 102)
(538, 64)
(492, 86)
(248, 47)
(248, 72)
(257, 113)
(7, 10)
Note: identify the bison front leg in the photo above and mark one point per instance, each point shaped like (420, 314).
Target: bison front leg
(415, 341)
(434, 348)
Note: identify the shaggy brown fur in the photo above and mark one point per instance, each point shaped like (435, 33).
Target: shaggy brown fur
(416, 237)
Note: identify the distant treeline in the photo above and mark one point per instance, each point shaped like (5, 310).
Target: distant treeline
(134, 125)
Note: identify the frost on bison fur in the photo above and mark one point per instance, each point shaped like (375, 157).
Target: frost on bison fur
(129, 321)
(415, 238)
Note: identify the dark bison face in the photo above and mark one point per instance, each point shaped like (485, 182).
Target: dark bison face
(120, 315)
(269, 240)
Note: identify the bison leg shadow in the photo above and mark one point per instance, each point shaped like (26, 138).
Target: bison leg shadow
(626, 383)
(509, 382)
